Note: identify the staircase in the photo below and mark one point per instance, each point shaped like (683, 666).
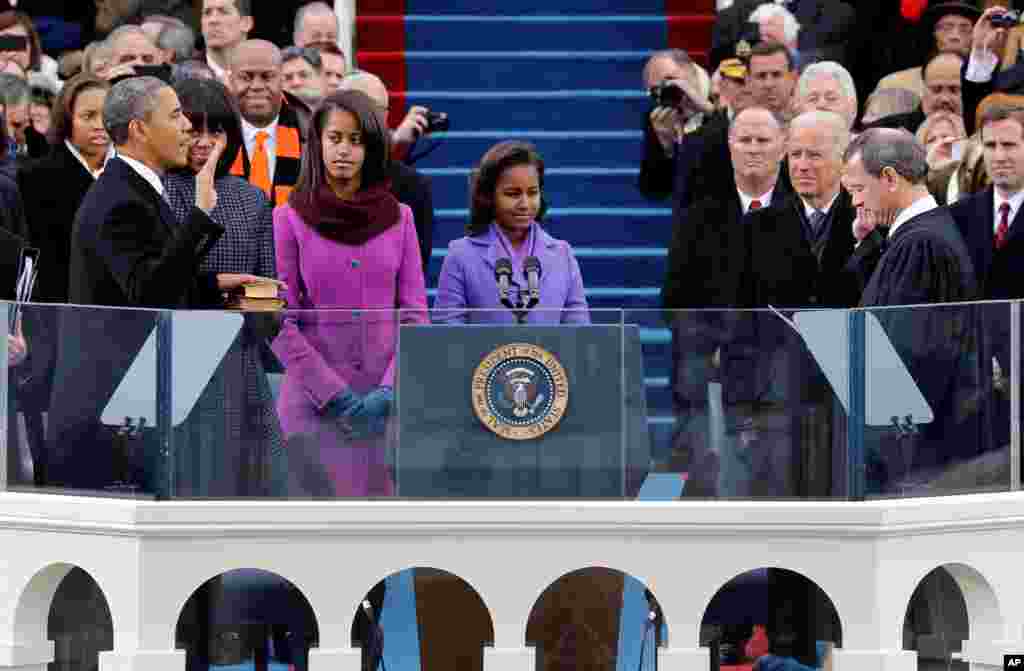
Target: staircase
(564, 75)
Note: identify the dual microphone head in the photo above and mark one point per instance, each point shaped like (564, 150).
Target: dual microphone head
(503, 272)
(503, 275)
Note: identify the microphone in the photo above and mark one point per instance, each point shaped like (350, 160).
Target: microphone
(532, 269)
(503, 276)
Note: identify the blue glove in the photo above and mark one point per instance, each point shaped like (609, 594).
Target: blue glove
(343, 404)
(378, 402)
(365, 415)
(376, 408)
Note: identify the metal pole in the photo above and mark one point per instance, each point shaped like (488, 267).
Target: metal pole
(6, 449)
(856, 419)
(166, 467)
(1015, 332)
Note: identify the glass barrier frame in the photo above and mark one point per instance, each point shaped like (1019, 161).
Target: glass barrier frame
(858, 360)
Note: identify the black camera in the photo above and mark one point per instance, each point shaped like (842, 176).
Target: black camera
(437, 122)
(13, 42)
(1007, 19)
(668, 94)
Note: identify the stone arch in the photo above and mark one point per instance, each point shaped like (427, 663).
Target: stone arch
(577, 621)
(440, 598)
(950, 603)
(246, 613)
(65, 604)
(768, 602)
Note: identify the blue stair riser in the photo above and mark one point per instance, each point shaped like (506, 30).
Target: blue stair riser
(624, 300)
(605, 227)
(558, 110)
(605, 272)
(558, 149)
(505, 33)
(536, 7)
(659, 400)
(509, 71)
(561, 189)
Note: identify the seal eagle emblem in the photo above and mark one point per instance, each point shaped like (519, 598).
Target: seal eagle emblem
(520, 391)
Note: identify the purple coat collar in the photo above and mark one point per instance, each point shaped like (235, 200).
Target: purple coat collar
(494, 251)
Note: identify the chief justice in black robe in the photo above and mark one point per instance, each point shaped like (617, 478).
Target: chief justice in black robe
(921, 260)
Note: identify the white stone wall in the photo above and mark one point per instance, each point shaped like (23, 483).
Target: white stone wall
(148, 558)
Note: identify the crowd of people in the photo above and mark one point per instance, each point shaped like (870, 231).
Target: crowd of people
(185, 174)
(786, 191)
(809, 168)
(800, 175)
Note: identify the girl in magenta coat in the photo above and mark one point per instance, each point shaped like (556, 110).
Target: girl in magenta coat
(348, 253)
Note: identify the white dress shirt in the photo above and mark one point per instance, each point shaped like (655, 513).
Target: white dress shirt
(1015, 202)
(220, 72)
(745, 200)
(270, 144)
(810, 209)
(81, 159)
(919, 206)
(145, 172)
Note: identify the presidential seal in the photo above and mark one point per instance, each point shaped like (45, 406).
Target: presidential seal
(520, 391)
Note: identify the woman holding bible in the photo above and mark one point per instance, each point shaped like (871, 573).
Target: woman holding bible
(231, 445)
(348, 253)
(506, 206)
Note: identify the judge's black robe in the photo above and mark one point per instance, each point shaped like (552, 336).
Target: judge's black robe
(926, 262)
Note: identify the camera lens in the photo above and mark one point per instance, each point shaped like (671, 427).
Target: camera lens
(671, 96)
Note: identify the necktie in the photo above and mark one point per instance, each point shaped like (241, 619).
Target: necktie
(816, 218)
(259, 173)
(754, 205)
(1003, 230)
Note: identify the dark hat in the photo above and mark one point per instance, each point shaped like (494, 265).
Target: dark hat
(936, 10)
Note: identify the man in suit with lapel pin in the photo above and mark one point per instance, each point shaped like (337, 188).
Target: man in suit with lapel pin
(128, 250)
(992, 225)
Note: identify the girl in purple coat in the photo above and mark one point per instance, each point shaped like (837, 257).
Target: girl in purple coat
(348, 253)
(506, 204)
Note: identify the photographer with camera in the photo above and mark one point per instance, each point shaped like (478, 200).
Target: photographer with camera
(982, 75)
(418, 121)
(680, 106)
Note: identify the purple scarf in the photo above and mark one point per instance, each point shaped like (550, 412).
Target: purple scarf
(351, 222)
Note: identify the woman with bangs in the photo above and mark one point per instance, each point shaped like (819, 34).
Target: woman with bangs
(233, 445)
(348, 252)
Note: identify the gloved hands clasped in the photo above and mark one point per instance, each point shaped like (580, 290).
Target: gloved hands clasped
(364, 415)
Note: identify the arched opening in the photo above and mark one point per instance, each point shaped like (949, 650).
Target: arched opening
(598, 619)
(423, 613)
(770, 612)
(79, 623)
(66, 603)
(247, 617)
(951, 604)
